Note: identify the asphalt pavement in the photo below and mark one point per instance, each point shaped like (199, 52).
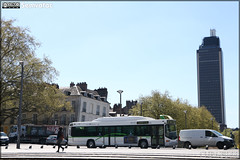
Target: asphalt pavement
(35, 151)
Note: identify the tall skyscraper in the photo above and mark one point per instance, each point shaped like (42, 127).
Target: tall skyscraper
(210, 77)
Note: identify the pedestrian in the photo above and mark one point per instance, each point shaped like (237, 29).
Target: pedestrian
(232, 136)
(60, 137)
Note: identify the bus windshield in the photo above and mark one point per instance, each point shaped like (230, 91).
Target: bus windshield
(170, 131)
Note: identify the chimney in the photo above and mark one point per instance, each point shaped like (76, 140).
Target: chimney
(83, 86)
(72, 84)
(102, 92)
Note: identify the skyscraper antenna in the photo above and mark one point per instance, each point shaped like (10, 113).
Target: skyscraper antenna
(212, 32)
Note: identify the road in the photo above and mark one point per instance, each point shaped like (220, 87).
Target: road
(72, 152)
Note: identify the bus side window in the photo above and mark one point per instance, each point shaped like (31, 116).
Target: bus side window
(143, 130)
(109, 130)
(100, 131)
(78, 131)
(106, 132)
(118, 129)
(73, 131)
(112, 130)
(91, 131)
(138, 130)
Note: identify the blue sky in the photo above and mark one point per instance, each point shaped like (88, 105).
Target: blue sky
(137, 47)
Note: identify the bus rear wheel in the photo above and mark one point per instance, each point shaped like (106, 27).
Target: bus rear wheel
(90, 144)
(143, 144)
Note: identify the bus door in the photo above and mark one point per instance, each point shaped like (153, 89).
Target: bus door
(100, 134)
(118, 140)
(109, 136)
(157, 135)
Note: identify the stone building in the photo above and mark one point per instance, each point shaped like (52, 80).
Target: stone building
(88, 104)
(125, 110)
(129, 105)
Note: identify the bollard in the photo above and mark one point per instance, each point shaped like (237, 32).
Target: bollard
(206, 147)
(116, 146)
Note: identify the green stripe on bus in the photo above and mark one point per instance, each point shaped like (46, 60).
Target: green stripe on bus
(107, 136)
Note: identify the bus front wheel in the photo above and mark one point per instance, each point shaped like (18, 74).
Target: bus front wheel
(143, 144)
(91, 144)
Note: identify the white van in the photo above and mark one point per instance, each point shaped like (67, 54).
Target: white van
(202, 137)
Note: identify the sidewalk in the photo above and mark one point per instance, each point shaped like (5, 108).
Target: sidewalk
(72, 152)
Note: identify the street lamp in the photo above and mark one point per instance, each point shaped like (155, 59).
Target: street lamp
(20, 107)
(141, 109)
(120, 92)
(185, 111)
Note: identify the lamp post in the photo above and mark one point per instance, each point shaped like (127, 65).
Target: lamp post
(185, 111)
(20, 107)
(120, 92)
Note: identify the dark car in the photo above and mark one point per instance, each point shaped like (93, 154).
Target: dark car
(4, 139)
(52, 139)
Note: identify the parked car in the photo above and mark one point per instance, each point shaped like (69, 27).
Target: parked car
(202, 137)
(4, 138)
(52, 139)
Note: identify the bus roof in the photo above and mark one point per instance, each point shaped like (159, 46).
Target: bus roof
(125, 120)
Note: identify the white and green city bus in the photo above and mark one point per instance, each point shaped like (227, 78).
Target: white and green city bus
(123, 131)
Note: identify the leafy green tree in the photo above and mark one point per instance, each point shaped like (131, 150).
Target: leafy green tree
(237, 140)
(162, 104)
(18, 45)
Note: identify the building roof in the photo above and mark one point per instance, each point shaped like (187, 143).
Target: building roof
(77, 91)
